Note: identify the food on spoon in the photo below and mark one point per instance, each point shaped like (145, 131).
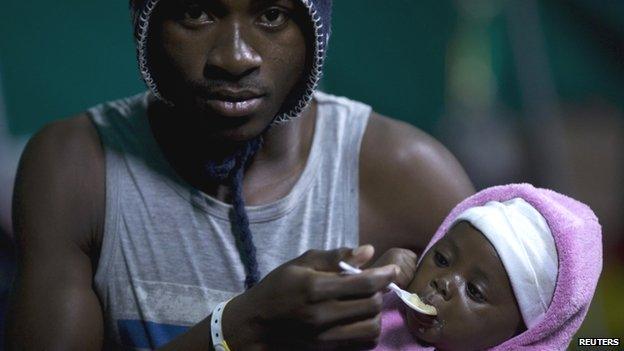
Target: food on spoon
(426, 309)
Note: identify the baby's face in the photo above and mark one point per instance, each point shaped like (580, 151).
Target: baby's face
(463, 277)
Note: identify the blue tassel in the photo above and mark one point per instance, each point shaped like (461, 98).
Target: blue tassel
(232, 169)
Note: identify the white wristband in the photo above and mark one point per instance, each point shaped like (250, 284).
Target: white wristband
(215, 328)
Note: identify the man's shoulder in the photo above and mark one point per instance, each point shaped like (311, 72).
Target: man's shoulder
(61, 177)
(82, 128)
(399, 146)
(66, 139)
(408, 179)
(64, 153)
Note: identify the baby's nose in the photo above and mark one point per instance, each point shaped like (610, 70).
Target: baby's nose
(444, 286)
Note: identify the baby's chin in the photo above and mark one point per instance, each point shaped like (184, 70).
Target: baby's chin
(426, 331)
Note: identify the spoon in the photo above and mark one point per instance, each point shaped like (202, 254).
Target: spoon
(412, 300)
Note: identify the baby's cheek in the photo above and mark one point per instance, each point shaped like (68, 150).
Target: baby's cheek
(461, 329)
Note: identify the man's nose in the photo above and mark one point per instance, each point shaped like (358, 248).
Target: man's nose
(445, 285)
(232, 53)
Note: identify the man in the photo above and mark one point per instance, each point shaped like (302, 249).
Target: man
(131, 218)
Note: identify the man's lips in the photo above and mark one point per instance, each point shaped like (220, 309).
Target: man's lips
(231, 103)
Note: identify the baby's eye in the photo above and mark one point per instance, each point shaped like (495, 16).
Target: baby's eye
(474, 293)
(273, 17)
(440, 260)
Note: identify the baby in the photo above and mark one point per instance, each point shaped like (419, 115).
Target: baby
(512, 267)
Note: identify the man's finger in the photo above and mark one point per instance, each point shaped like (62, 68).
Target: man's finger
(332, 312)
(408, 268)
(368, 329)
(332, 286)
(360, 255)
(327, 261)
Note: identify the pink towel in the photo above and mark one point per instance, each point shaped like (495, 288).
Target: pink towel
(578, 238)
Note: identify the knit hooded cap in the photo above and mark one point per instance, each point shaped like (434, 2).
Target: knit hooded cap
(578, 239)
(319, 12)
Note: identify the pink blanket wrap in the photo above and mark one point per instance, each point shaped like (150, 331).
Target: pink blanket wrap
(578, 238)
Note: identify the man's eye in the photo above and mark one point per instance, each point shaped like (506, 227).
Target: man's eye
(273, 18)
(474, 293)
(195, 14)
(440, 260)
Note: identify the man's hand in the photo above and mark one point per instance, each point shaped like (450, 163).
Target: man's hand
(405, 259)
(306, 303)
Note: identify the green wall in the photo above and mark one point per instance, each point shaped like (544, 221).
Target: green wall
(391, 54)
(58, 58)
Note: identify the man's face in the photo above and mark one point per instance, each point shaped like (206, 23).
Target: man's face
(464, 278)
(231, 64)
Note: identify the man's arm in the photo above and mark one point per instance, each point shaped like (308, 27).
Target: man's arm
(408, 184)
(58, 212)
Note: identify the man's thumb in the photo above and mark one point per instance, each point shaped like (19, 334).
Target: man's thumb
(327, 261)
(360, 255)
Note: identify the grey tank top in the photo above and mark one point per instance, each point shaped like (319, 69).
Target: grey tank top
(168, 256)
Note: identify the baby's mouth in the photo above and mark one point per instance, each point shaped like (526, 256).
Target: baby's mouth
(425, 321)
(426, 297)
(428, 321)
(422, 320)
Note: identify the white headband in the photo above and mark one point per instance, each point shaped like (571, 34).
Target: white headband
(526, 247)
